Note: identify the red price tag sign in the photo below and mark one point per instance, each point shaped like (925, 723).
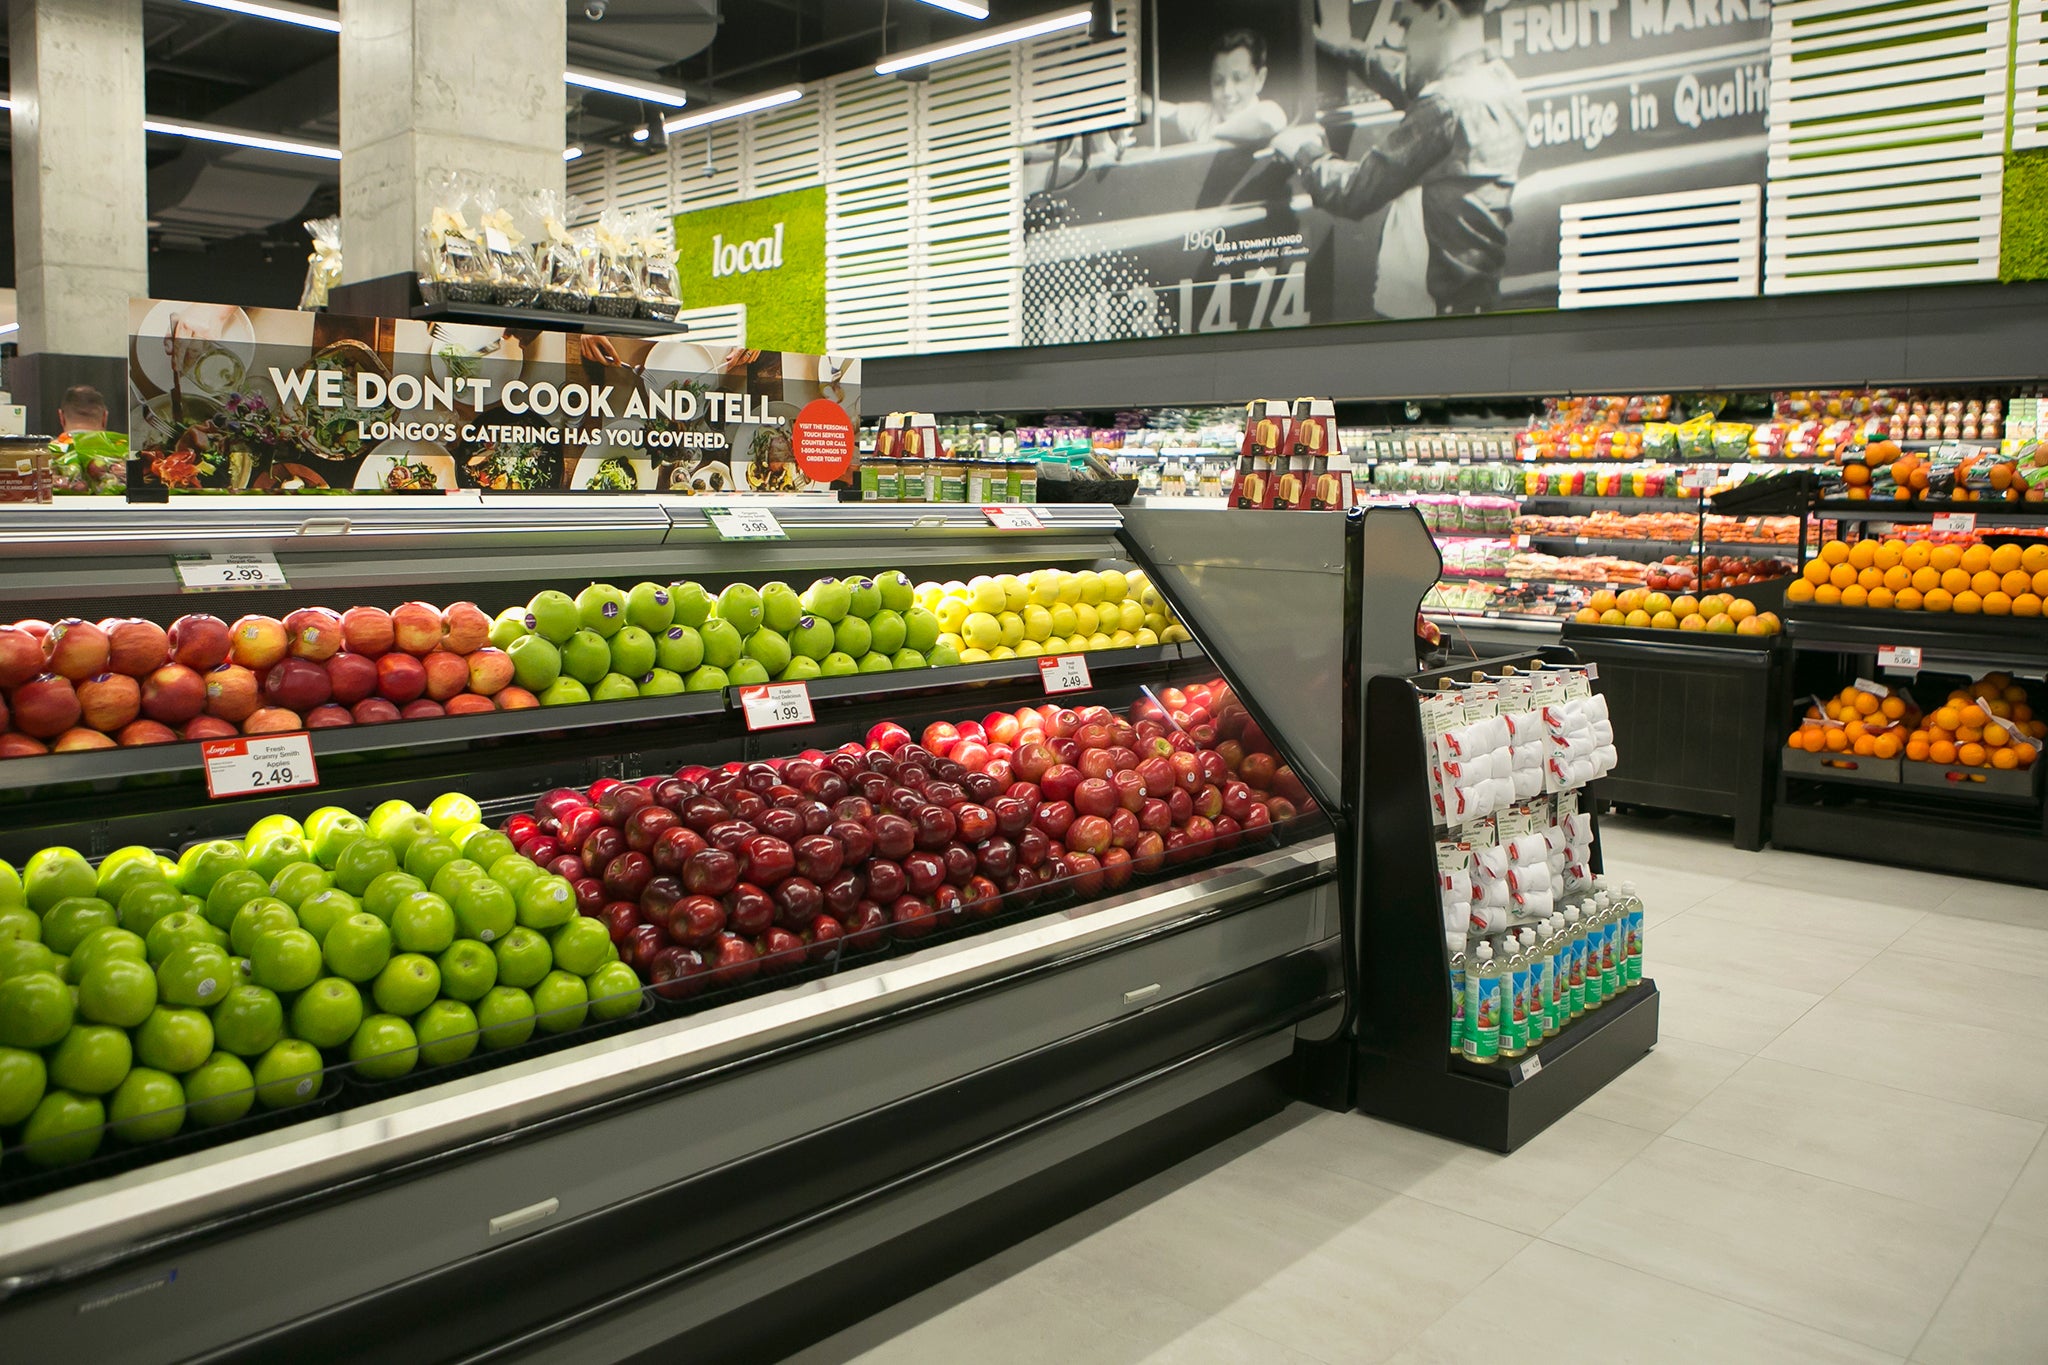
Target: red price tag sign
(1898, 656)
(1955, 521)
(775, 706)
(1064, 672)
(258, 763)
(1012, 518)
(822, 440)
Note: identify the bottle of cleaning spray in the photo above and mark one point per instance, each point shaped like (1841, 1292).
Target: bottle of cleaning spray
(1575, 953)
(1594, 918)
(1514, 998)
(1454, 945)
(1482, 1004)
(1635, 933)
(1539, 969)
(1613, 949)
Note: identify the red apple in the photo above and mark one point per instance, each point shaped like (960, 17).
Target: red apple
(417, 628)
(272, 720)
(80, 738)
(1084, 872)
(910, 917)
(313, 633)
(374, 711)
(1089, 834)
(141, 732)
(1095, 796)
(350, 677)
(137, 648)
(696, 920)
(328, 717)
(515, 699)
(467, 629)
(199, 642)
(677, 973)
(401, 677)
(469, 704)
(888, 736)
(733, 960)
(422, 708)
(208, 727)
(232, 693)
(367, 631)
(76, 649)
(490, 671)
(971, 754)
(940, 737)
(109, 701)
(21, 656)
(447, 674)
(45, 706)
(21, 746)
(1054, 818)
(257, 642)
(1257, 770)
(750, 910)
(1060, 782)
(296, 684)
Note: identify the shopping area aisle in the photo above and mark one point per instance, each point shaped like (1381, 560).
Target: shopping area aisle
(1835, 1154)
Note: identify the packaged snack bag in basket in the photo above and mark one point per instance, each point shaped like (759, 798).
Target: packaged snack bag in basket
(557, 264)
(323, 264)
(512, 269)
(616, 295)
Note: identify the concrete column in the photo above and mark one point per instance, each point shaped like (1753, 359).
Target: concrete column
(81, 247)
(429, 86)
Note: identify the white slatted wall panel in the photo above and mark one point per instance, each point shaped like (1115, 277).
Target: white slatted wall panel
(1661, 248)
(969, 224)
(2030, 77)
(1074, 86)
(725, 325)
(785, 149)
(588, 180)
(707, 166)
(868, 227)
(1887, 135)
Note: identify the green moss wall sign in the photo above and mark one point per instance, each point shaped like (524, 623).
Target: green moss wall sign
(768, 254)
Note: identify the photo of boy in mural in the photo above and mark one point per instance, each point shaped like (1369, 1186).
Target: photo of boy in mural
(1459, 143)
(1237, 110)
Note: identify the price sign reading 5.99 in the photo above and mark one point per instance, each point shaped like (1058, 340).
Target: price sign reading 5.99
(775, 706)
(258, 763)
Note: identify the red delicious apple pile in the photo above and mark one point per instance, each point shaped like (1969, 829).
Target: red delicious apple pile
(712, 876)
(81, 685)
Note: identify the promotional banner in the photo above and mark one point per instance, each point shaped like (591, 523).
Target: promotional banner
(1454, 134)
(768, 254)
(225, 399)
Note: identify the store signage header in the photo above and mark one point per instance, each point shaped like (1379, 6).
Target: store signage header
(745, 258)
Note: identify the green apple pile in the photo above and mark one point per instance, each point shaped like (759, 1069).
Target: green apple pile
(145, 995)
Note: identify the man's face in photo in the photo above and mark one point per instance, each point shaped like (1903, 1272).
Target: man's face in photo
(1235, 83)
(1423, 31)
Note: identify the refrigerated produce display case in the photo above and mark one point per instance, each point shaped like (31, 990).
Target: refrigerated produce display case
(734, 1158)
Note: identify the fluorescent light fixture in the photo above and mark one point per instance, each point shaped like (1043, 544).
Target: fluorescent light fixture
(737, 109)
(571, 153)
(206, 133)
(973, 9)
(982, 42)
(9, 327)
(667, 96)
(641, 134)
(299, 15)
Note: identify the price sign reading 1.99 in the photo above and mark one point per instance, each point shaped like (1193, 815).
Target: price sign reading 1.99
(774, 706)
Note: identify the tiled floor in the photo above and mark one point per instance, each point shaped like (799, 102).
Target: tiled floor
(1834, 1154)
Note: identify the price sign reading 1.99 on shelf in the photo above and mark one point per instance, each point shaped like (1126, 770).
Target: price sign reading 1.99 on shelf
(226, 573)
(775, 706)
(258, 763)
(745, 523)
(1064, 672)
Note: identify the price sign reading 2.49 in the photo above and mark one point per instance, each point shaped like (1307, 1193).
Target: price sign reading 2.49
(258, 763)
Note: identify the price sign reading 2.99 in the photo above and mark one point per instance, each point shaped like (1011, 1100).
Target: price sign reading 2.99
(258, 763)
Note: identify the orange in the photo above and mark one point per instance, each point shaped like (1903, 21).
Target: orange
(1863, 554)
(2026, 753)
(1814, 738)
(1969, 734)
(2014, 583)
(1955, 580)
(1916, 749)
(1968, 603)
(1918, 552)
(1938, 599)
(2013, 693)
(1816, 571)
(1880, 598)
(1974, 714)
(1889, 554)
(1893, 707)
(1835, 552)
(1997, 737)
(1941, 751)
(1984, 582)
(1926, 579)
(1838, 740)
(1997, 604)
(1908, 599)
(1799, 590)
(1898, 576)
(1866, 703)
(1856, 730)
(1842, 576)
(2034, 558)
(1742, 609)
(1944, 557)
(2005, 758)
(1870, 578)
(2006, 558)
(1977, 558)
(2041, 582)
(1854, 596)
(1828, 595)
(1972, 755)
(1948, 718)
(1887, 746)
(1864, 745)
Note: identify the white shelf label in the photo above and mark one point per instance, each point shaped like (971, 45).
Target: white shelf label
(1012, 518)
(1064, 672)
(775, 706)
(226, 573)
(745, 523)
(1898, 656)
(1531, 1066)
(259, 763)
(1955, 521)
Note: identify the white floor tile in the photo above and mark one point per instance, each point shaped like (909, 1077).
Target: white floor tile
(1936, 988)
(1743, 952)
(1991, 948)
(1834, 919)
(1996, 1314)
(2026, 906)
(1858, 880)
(1658, 1090)
(1720, 1010)
(1666, 890)
(1848, 1262)
(1585, 1309)
(1948, 1059)
(1871, 1136)
(2026, 1205)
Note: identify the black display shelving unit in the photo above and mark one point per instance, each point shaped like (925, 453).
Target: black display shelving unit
(1405, 1072)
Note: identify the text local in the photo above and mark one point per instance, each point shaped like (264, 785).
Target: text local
(409, 392)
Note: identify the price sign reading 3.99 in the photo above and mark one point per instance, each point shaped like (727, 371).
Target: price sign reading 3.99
(258, 763)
